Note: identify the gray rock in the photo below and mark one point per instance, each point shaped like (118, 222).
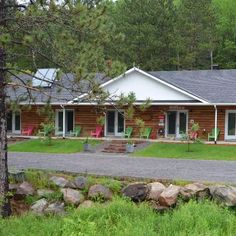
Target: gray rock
(70, 184)
(72, 196)
(59, 181)
(44, 192)
(39, 206)
(195, 187)
(25, 189)
(197, 190)
(156, 189)
(169, 196)
(55, 208)
(81, 182)
(224, 194)
(137, 192)
(86, 204)
(13, 187)
(99, 190)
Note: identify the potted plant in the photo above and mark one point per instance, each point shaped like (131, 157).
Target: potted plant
(130, 146)
(87, 145)
(194, 131)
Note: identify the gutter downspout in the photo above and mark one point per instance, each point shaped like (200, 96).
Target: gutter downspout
(216, 116)
(64, 122)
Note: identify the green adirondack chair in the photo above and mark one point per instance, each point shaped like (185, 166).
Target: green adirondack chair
(128, 132)
(146, 133)
(76, 131)
(212, 134)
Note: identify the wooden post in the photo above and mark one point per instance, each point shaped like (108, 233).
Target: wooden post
(216, 120)
(64, 122)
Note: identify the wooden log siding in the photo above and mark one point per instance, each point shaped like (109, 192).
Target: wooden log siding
(31, 118)
(203, 115)
(85, 116)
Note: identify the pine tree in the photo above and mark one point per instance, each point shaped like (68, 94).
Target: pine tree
(195, 34)
(147, 30)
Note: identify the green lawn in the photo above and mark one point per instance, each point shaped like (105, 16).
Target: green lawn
(122, 217)
(57, 146)
(197, 151)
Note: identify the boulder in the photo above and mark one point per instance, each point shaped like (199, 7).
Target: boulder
(99, 190)
(59, 181)
(156, 189)
(169, 196)
(224, 194)
(13, 187)
(70, 184)
(25, 189)
(203, 194)
(194, 190)
(39, 206)
(195, 187)
(81, 182)
(86, 204)
(72, 196)
(55, 208)
(44, 192)
(137, 192)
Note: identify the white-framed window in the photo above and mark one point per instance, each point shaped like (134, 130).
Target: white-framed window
(69, 121)
(230, 124)
(14, 122)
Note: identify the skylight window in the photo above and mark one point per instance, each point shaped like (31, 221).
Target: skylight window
(44, 77)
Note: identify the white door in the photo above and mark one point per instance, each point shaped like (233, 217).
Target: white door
(230, 124)
(176, 123)
(14, 122)
(115, 123)
(69, 121)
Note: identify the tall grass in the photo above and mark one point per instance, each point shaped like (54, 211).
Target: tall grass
(122, 217)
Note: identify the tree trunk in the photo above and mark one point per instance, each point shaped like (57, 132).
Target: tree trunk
(5, 209)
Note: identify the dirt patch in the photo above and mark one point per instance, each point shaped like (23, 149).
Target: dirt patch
(19, 207)
(12, 140)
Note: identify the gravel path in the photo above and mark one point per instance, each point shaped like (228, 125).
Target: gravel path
(124, 165)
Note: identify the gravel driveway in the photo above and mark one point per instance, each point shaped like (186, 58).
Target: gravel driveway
(124, 165)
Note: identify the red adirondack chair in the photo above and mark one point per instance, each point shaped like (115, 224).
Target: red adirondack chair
(98, 132)
(28, 131)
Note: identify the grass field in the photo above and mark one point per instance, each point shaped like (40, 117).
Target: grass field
(122, 217)
(57, 146)
(197, 151)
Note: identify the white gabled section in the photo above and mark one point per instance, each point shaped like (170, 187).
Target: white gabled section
(145, 85)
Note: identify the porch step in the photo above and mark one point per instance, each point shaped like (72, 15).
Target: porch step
(117, 146)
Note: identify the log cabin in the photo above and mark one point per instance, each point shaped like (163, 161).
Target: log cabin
(177, 100)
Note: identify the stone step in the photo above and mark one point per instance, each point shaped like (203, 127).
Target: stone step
(118, 146)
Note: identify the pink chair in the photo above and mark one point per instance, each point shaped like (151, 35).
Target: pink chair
(28, 131)
(98, 132)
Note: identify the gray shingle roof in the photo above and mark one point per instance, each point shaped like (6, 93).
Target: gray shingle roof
(61, 91)
(215, 86)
